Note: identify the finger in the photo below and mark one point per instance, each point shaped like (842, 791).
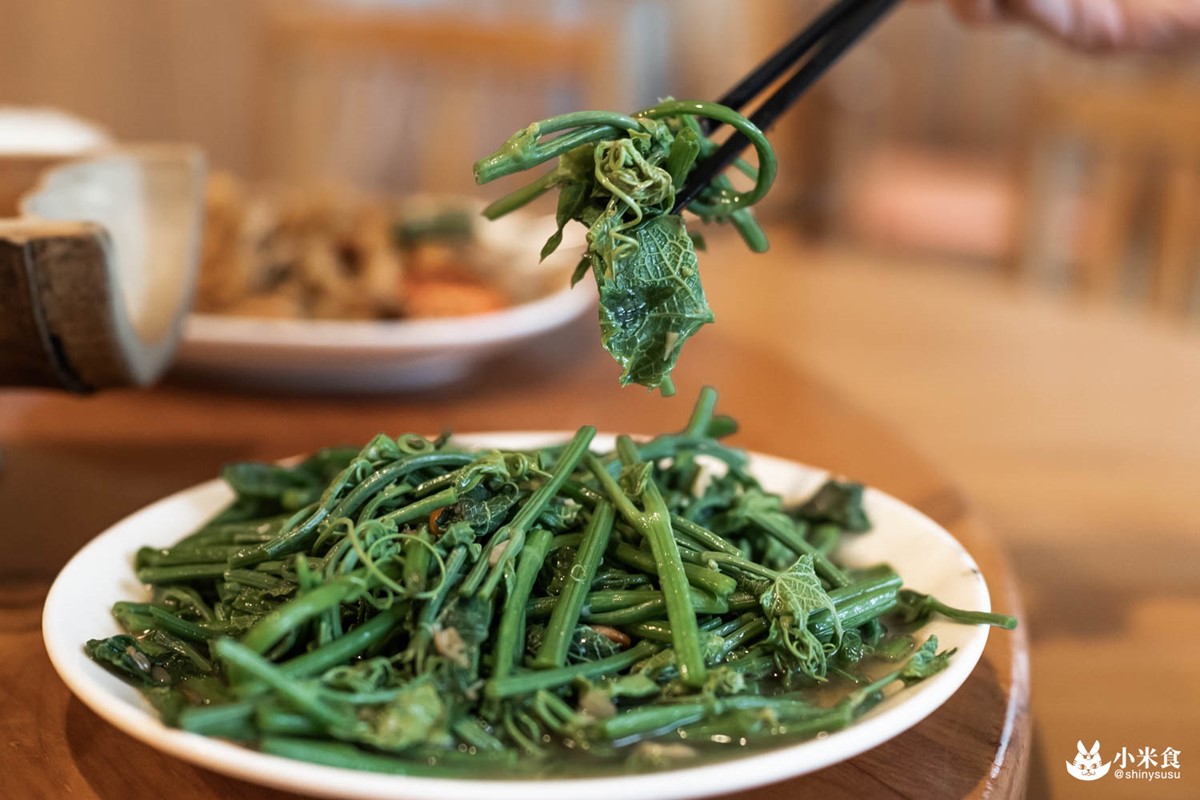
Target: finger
(1095, 25)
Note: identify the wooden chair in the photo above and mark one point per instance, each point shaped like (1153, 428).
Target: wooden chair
(1112, 188)
(400, 102)
(997, 146)
(924, 113)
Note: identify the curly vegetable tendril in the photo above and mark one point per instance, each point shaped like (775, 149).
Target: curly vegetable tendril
(367, 556)
(718, 201)
(624, 171)
(619, 175)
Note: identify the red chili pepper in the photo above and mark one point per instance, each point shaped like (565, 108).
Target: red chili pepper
(613, 635)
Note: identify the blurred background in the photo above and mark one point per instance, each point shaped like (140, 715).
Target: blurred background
(994, 147)
(985, 239)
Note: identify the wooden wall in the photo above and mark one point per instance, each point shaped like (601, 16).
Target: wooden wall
(184, 69)
(145, 69)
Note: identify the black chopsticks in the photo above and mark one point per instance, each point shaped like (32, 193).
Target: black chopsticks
(828, 37)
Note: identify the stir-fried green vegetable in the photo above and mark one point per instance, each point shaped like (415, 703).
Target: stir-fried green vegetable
(411, 607)
(618, 175)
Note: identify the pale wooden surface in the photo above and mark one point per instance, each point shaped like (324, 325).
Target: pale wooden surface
(1132, 203)
(73, 465)
(1072, 425)
(392, 100)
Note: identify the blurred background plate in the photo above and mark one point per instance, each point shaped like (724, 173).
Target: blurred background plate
(334, 355)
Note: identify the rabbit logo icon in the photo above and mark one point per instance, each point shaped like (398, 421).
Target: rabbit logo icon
(1087, 766)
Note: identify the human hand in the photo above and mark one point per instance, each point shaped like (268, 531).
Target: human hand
(1099, 25)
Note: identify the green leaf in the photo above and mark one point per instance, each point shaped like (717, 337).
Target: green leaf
(266, 481)
(797, 592)
(682, 156)
(416, 715)
(327, 462)
(756, 505)
(852, 650)
(925, 662)
(140, 663)
(571, 200)
(840, 503)
(633, 478)
(559, 515)
(466, 623)
(581, 269)
(788, 602)
(652, 302)
(551, 244)
(487, 512)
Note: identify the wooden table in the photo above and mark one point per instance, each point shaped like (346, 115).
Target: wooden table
(1073, 428)
(74, 465)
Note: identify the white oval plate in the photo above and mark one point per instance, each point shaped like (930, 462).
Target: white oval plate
(926, 555)
(326, 355)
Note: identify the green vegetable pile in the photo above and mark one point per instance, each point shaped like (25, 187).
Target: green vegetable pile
(619, 175)
(412, 607)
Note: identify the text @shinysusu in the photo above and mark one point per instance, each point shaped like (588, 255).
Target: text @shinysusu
(1145, 763)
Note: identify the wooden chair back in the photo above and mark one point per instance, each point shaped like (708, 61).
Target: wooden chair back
(396, 101)
(1112, 191)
